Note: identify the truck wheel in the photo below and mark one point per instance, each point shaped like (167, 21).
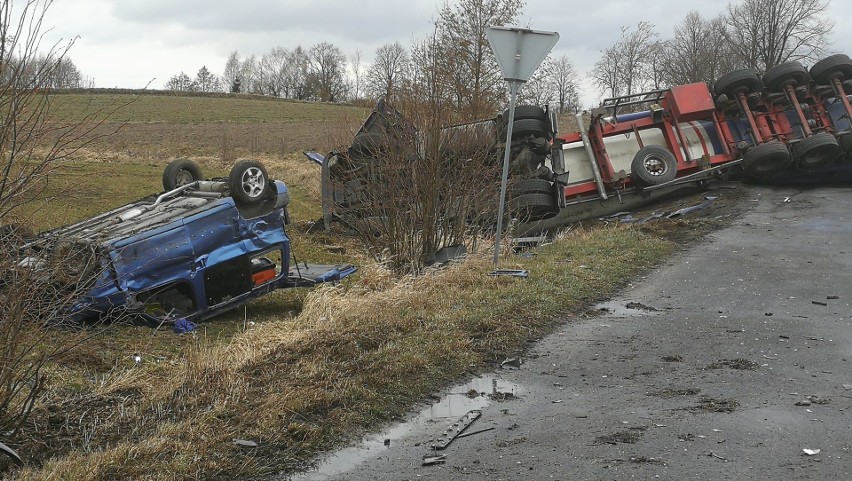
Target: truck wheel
(532, 207)
(248, 181)
(745, 80)
(824, 71)
(528, 112)
(766, 159)
(534, 127)
(788, 73)
(531, 186)
(816, 150)
(180, 172)
(653, 165)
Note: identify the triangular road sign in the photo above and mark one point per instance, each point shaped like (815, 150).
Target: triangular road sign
(520, 51)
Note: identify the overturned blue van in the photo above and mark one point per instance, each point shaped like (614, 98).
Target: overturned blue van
(198, 249)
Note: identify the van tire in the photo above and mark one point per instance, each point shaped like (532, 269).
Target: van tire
(180, 172)
(248, 181)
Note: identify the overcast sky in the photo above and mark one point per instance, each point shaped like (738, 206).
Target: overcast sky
(138, 43)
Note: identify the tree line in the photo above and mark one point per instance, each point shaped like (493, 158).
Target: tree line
(754, 34)
(456, 64)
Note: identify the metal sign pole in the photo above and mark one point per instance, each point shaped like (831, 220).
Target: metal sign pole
(519, 51)
(514, 86)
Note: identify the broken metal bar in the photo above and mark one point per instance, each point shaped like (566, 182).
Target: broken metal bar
(474, 432)
(455, 430)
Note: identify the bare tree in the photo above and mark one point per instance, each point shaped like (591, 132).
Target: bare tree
(231, 76)
(295, 75)
(697, 53)
(765, 33)
(539, 89)
(205, 81)
(390, 67)
(66, 75)
(181, 83)
(34, 142)
(564, 78)
(467, 60)
(357, 75)
(251, 76)
(628, 66)
(327, 68)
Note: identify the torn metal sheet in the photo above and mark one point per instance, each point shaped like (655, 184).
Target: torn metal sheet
(457, 428)
(522, 273)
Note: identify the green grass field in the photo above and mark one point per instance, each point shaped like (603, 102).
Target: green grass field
(297, 371)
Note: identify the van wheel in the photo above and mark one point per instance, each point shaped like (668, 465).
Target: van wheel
(248, 181)
(180, 172)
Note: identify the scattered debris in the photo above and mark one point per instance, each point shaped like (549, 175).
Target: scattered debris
(708, 404)
(714, 455)
(673, 358)
(11, 453)
(817, 400)
(640, 306)
(556, 401)
(832, 297)
(691, 209)
(444, 256)
(511, 363)
(811, 452)
(456, 429)
(182, 326)
(738, 364)
(474, 432)
(803, 402)
(630, 436)
(819, 303)
(245, 444)
(433, 459)
(847, 387)
(670, 393)
(523, 274)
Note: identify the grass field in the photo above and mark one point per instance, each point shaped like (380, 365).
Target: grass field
(298, 371)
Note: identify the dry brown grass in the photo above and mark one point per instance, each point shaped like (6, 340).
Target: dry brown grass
(357, 355)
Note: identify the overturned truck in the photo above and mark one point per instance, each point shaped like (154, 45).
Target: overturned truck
(791, 124)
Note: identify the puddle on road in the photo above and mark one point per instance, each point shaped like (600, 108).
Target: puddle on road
(476, 394)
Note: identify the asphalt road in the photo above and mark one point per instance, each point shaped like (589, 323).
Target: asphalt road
(728, 362)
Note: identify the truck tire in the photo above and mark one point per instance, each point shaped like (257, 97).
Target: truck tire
(532, 207)
(744, 80)
(533, 127)
(248, 181)
(766, 159)
(838, 65)
(653, 165)
(528, 112)
(788, 73)
(816, 150)
(531, 186)
(180, 172)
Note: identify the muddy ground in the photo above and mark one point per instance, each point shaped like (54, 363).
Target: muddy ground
(732, 361)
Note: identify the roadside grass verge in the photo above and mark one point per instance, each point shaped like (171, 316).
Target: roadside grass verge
(356, 356)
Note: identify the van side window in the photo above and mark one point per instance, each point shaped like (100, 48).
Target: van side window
(173, 300)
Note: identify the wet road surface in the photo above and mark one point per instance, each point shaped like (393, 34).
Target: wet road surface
(728, 362)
